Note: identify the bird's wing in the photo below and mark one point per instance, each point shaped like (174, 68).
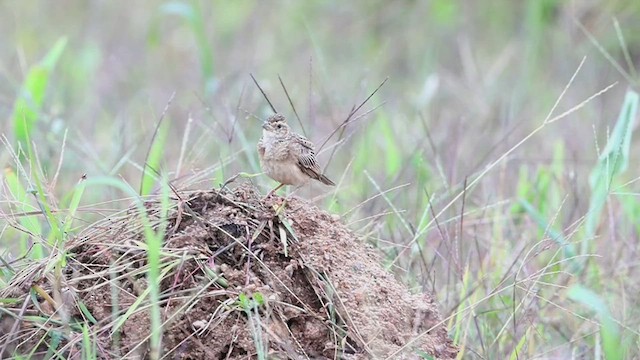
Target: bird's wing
(306, 156)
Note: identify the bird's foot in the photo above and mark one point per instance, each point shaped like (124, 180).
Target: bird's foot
(270, 194)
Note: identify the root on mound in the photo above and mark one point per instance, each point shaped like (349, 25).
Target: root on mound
(240, 279)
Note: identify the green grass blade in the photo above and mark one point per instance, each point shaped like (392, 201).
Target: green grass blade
(569, 249)
(30, 223)
(74, 204)
(89, 350)
(392, 153)
(154, 159)
(613, 161)
(27, 106)
(154, 245)
(609, 331)
(55, 236)
(192, 14)
(517, 351)
(86, 312)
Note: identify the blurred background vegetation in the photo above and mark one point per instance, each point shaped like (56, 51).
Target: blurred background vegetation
(86, 83)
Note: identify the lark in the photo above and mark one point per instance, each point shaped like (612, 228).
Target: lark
(287, 157)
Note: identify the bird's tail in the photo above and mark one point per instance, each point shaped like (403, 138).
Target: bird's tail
(325, 180)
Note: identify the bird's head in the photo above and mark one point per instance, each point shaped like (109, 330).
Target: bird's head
(275, 125)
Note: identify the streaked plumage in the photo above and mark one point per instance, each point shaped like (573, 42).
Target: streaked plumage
(287, 157)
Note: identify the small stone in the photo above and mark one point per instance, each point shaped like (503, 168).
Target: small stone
(289, 269)
(199, 324)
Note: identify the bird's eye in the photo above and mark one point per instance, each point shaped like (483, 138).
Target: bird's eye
(279, 126)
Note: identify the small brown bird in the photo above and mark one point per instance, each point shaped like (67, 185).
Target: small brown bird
(287, 157)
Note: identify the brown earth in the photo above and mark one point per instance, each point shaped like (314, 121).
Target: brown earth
(239, 277)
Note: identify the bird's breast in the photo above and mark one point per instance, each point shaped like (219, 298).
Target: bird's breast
(285, 172)
(274, 148)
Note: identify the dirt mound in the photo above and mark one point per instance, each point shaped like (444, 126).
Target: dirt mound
(241, 278)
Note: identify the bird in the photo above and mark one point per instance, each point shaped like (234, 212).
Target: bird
(287, 157)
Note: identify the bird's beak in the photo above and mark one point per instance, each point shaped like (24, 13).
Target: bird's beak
(264, 125)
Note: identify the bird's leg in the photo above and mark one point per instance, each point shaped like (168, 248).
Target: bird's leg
(274, 190)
